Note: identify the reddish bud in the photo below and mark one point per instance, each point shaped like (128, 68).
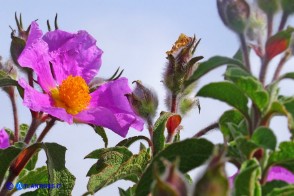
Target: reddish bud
(173, 123)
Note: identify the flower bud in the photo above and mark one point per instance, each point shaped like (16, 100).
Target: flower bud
(287, 6)
(4, 139)
(214, 182)
(144, 101)
(234, 14)
(18, 42)
(180, 65)
(270, 7)
(172, 182)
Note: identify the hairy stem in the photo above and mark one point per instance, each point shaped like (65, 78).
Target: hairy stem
(173, 108)
(245, 51)
(32, 130)
(263, 70)
(47, 128)
(269, 25)
(206, 130)
(283, 21)
(15, 113)
(150, 129)
(281, 65)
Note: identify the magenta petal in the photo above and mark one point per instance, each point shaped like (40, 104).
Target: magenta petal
(110, 108)
(37, 101)
(35, 56)
(4, 139)
(280, 173)
(119, 123)
(73, 54)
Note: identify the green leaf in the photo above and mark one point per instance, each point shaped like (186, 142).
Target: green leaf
(211, 64)
(284, 156)
(191, 152)
(247, 147)
(270, 186)
(39, 175)
(158, 134)
(265, 137)
(118, 166)
(7, 155)
(226, 92)
(289, 105)
(289, 75)
(283, 191)
(57, 170)
(232, 117)
(98, 154)
(250, 86)
(129, 192)
(101, 132)
(246, 182)
(129, 141)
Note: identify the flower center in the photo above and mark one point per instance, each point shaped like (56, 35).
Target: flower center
(72, 95)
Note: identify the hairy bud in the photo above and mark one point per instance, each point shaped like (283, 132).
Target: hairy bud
(234, 14)
(143, 100)
(287, 6)
(270, 7)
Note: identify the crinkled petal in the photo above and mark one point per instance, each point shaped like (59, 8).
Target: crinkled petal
(101, 116)
(73, 54)
(280, 173)
(35, 56)
(37, 101)
(4, 139)
(109, 101)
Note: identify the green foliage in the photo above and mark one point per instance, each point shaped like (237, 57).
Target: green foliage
(6, 80)
(211, 64)
(7, 155)
(270, 186)
(246, 182)
(284, 191)
(158, 134)
(114, 164)
(57, 170)
(101, 132)
(265, 137)
(250, 86)
(129, 192)
(229, 118)
(284, 156)
(129, 141)
(232, 96)
(191, 152)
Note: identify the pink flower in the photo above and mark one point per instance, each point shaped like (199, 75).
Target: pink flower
(65, 63)
(275, 173)
(4, 139)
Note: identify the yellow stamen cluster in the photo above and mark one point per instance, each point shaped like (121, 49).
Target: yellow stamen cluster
(72, 95)
(182, 41)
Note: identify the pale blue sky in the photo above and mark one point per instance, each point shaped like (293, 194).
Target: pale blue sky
(135, 36)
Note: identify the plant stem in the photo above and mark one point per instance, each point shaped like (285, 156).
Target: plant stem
(206, 130)
(12, 172)
(245, 51)
(15, 114)
(32, 130)
(283, 21)
(31, 78)
(269, 25)
(173, 109)
(47, 128)
(150, 129)
(263, 70)
(10, 178)
(174, 104)
(281, 65)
